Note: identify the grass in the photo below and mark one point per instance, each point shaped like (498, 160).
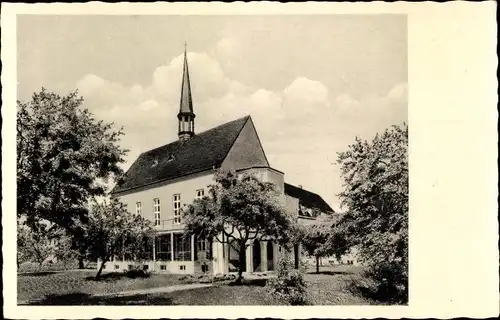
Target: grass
(56, 266)
(335, 286)
(38, 286)
(332, 286)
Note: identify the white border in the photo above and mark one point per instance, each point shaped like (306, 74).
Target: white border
(453, 151)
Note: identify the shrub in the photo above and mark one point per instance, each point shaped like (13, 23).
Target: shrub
(289, 285)
(137, 273)
(391, 281)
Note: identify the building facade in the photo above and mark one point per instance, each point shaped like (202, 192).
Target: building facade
(163, 181)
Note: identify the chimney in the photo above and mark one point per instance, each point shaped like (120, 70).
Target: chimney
(300, 186)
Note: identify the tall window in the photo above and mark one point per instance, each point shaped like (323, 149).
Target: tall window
(182, 247)
(163, 247)
(156, 209)
(203, 249)
(138, 208)
(177, 208)
(200, 193)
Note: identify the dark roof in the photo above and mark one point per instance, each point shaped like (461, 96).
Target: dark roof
(201, 152)
(307, 199)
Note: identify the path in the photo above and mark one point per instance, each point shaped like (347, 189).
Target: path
(167, 289)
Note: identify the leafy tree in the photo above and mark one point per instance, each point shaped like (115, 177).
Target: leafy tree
(114, 231)
(64, 157)
(239, 210)
(314, 238)
(33, 243)
(322, 239)
(65, 250)
(376, 195)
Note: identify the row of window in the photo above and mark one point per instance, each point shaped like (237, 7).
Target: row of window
(181, 248)
(176, 203)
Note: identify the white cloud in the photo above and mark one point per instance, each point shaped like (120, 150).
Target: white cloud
(399, 93)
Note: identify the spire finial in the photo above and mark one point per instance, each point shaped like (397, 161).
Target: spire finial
(185, 46)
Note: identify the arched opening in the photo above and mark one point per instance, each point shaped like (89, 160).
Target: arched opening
(256, 256)
(270, 256)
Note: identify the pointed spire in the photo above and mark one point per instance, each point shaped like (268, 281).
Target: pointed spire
(186, 115)
(186, 105)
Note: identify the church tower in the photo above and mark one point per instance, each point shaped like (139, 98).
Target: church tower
(186, 115)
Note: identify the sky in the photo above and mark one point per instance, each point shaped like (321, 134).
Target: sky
(311, 83)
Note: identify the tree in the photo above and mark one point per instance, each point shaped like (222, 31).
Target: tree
(322, 239)
(64, 158)
(33, 243)
(239, 210)
(376, 194)
(314, 238)
(65, 250)
(114, 231)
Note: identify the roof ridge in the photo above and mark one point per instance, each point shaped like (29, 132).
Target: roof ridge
(302, 188)
(201, 133)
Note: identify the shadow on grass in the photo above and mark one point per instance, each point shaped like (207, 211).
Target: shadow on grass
(74, 299)
(249, 283)
(38, 274)
(330, 273)
(113, 276)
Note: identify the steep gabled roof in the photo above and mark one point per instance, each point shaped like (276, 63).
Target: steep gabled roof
(201, 152)
(307, 199)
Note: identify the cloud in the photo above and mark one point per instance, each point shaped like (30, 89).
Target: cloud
(301, 127)
(399, 93)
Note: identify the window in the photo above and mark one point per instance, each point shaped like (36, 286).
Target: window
(163, 248)
(182, 247)
(203, 249)
(156, 209)
(177, 208)
(117, 267)
(204, 268)
(200, 193)
(138, 208)
(182, 267)
(202, 244)
(163, 267)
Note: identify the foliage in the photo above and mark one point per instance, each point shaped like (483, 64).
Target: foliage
(33, 243)
(64, 157)
(289, 285)
(376, 195)
(239, 210)
(114, 231)
(320, 240)
(65, 250)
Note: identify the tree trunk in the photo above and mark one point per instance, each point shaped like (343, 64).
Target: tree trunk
(317, 264)
(98, 275)
(80, 263)
(241, 264)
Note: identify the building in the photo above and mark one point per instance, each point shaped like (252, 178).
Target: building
(164, 180)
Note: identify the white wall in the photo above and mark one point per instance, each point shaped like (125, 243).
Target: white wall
(185, 186)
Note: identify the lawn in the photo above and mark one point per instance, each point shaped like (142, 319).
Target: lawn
(37, 286)
(333, 286)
